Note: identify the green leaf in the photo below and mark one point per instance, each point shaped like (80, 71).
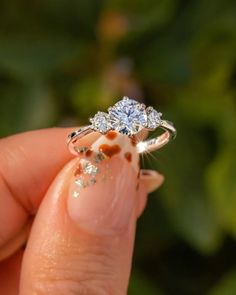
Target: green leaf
(28, 55)
(140, 285)
(222, 187)
(89, 96)
(24, 107)
(226, 286)
(184, 195)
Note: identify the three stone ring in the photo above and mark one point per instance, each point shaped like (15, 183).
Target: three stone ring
(127, 117)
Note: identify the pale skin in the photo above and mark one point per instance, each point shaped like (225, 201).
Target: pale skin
(60, 257)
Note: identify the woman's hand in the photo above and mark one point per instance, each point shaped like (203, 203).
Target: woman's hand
(81, 241)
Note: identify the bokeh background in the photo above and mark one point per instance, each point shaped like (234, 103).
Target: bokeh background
(61, 61)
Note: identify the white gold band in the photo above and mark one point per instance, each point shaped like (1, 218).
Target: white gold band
(145, 146)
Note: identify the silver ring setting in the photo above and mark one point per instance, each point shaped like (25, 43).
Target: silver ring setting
(128, 117)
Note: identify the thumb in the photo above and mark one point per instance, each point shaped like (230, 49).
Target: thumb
(82, 238)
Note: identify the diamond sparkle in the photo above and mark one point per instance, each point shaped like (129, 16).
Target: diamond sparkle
(127, 116)
(101, 122)
(154, 118)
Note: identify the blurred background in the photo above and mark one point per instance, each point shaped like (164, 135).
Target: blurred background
(61, 61)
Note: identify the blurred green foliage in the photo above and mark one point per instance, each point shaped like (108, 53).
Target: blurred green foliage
(61, 61)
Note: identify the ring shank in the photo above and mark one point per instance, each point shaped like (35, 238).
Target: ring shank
(158, 142)
(76, 135)
(148, 145)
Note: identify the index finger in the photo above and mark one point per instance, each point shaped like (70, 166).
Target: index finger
(28, 164)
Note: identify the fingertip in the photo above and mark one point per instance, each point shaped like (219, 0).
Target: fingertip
(149, 181)
(152, 179)
(141, 198)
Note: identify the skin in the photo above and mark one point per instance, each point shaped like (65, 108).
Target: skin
(60, 257)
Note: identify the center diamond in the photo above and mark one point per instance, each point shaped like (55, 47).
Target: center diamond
(128, 116)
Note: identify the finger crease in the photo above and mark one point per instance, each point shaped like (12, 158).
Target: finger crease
(8, 187)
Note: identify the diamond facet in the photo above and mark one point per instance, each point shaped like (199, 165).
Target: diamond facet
(128, 116)
(100, 122)
(153, 118)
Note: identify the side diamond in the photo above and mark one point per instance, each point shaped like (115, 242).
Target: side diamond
(101, 122)
(153, 118)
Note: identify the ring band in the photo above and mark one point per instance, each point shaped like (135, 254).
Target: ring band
(127, 117)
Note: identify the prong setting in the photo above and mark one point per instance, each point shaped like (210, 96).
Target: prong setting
(125, 98)
(127, 116)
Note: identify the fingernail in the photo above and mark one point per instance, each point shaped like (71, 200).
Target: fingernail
(103, 189)
(151, 179)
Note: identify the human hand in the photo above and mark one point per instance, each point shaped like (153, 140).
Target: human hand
(81, 241)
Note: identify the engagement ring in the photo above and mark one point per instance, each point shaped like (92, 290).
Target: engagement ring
(130, 118)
